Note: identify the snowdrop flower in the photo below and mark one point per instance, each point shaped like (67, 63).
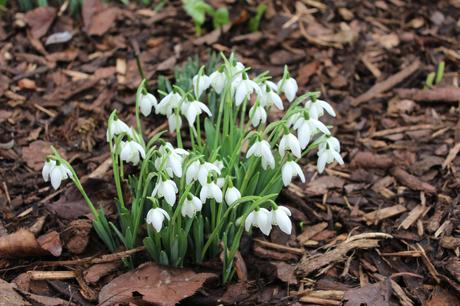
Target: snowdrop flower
(191, 174)
(328, 141)
(117, 127)
(192, 109)
(291, 143)
(232, 195)
(269, 97)
(308, 127)
(317, 107)
(166, 106)
(47, 167)
(260, 218)
(191, 206)
(219, 164)
(130, 152)
(56, 173)
(174, 159)
(280, 217)
(258, 115)
(146, 103)
(218, 79)
(262, 149)
(244, 88)
(289, 87)
(204, 170)
(237, 69)
(327, 156)
(272, 85)
(200, 84)
(289, 170)
(166, 189)
(155, 217)
(174, 122)
(211, 191)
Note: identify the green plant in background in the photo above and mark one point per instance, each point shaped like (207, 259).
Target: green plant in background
(434, 78)
(198, 9)
(254, 22)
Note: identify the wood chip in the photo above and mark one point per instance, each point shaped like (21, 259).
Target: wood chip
(384, 213)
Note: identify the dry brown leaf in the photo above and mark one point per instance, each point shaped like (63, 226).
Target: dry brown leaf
(98, 17)
(322, 184)
(51, 242)
(377, 294)
(40, 20)
(9, 296)
(285, 272)
(442, 297)
(34, 154)
(154, 284)
(94, 273)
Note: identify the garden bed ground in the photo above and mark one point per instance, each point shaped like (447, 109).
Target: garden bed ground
(384, 229)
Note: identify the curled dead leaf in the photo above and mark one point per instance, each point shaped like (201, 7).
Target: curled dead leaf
(154, 284)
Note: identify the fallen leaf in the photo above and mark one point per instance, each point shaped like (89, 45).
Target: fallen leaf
(306, 71)
(235, 293)
(442, 297)
(154, 284)
(103, 21)
(285, 272)
(34, 154)
(94, 273)
(39, 20)
(51, 242)
(322, 184)
(9, 296)
(79, 235)
(377, 294)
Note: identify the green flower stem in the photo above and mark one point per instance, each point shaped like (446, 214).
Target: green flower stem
(116, 171)
(138, 100)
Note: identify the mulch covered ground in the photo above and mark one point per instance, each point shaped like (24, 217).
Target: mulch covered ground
(382, 230)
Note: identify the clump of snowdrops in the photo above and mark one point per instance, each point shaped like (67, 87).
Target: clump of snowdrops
(197, 200)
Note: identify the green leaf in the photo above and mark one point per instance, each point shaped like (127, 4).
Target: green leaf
(254, 22)
(42, 2)
(220, 17)
(209, 131)
(153, 251)
(163, 258)
(197, 10)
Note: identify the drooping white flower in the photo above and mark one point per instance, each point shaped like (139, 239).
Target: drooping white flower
(243, 88)
(289, 87)
(272, 85)
(219, 164)
(57, 174)
(258, 115)
(211, 191)
(146, 103)
(191, 206)
(204, 170)
(117, 127)
(316, 109)
(218, 80)
(260, 218)
(166, 189)
(328, 141)
(232, 195)
(289, 170)
(200, 84)
(47, 167)
(291, 143)
(237, 70)
(131, 151)
(155, 217)
(169, 102)
(192, 109)
(269, 97)
(220, 181)
(280, 217)
(306, 128)
(262, 149)
(174, 122)
(327, 156)
(174, 159)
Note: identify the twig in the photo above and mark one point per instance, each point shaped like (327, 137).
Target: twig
(446, 94)
(280, 247)
(386, 85)
(94, 260)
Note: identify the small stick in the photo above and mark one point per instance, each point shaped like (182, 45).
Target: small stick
(47, 275)
(279, 247)
(94, 260)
